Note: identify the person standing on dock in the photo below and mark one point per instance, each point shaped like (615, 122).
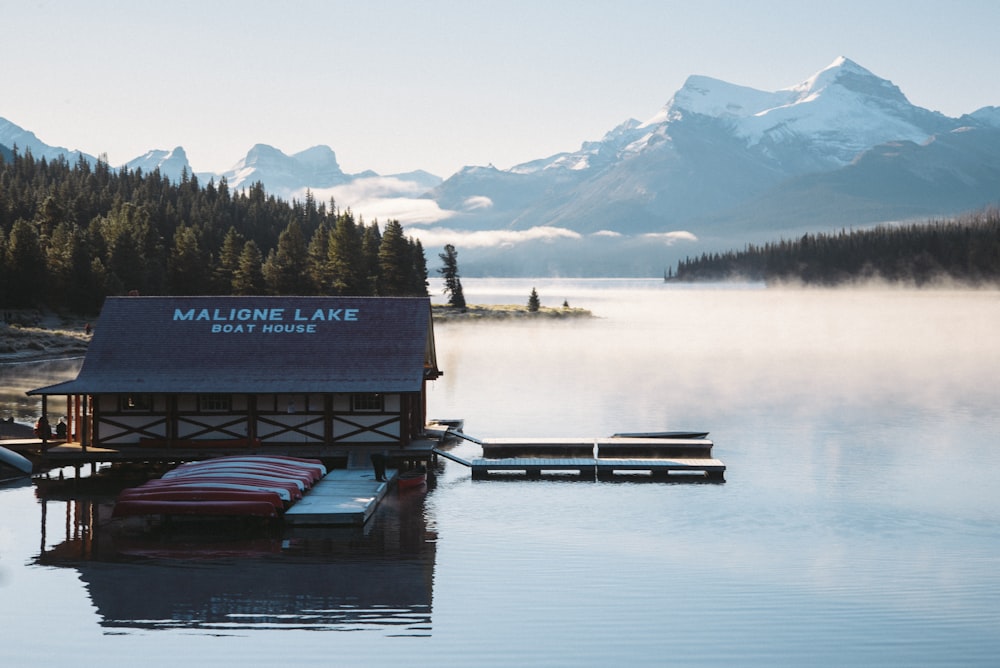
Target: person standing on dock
(43, 429)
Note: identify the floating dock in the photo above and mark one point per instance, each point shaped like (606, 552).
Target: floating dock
(344, 497)
(594, 458)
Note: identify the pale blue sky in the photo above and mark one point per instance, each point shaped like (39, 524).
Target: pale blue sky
(395, 86)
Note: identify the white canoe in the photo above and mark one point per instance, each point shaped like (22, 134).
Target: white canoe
(18, 461)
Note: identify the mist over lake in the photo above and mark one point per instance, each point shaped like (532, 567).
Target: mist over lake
(859, 523)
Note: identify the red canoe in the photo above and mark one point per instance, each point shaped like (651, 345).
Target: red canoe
(202, 494)
(286, 489)
(409, 479)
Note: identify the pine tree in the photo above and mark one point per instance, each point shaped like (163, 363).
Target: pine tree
(418, 268)
(393, 262)
(317, 266)
(285, 267)
(248, 279)
(452, 281)
(345, 259)
(188, 268)
(26, 269)
(229, 260)
(533, 302)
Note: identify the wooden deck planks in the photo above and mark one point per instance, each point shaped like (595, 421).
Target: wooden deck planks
(534, 466)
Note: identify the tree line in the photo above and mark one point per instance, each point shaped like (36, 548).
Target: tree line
(965, 249)
(70, 235)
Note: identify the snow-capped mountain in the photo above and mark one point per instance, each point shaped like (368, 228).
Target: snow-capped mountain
(281, 174)
(172, 164)
(717, 153)
(285, 176)
(718, 165)
(12, 136)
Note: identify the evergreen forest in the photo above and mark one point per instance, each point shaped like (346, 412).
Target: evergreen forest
(70, 235)
(965, 249)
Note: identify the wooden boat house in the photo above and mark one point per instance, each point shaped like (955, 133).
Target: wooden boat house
(315, 376)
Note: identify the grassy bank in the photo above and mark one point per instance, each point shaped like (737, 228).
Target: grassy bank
(18, 343)
(505, 312)
(33, 335)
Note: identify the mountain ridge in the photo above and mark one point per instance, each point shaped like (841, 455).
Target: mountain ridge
(718, 164)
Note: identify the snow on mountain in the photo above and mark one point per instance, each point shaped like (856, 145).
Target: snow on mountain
(712, 146)
(287, 176)
(12, 136)
(172, 164)
(986, 116)
(833, 115)
(718, 161)
(281, 174)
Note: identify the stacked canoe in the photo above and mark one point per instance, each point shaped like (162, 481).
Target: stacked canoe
(249, 486)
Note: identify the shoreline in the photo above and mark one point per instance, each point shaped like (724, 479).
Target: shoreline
(23, 344)
(478, 312)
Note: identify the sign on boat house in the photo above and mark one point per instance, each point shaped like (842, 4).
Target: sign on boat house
(298, 373)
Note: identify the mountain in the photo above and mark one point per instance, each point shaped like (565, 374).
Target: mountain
(12, 136)
(718, 165)
(172, 164)
(722, 158)
(281, 174)
(285, 176)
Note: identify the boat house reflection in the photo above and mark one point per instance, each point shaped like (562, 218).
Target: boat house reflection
(379, 577)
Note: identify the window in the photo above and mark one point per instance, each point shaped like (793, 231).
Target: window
(367, 402)
(215, 402)
(136, 403)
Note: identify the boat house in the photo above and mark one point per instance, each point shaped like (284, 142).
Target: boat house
(311, 376)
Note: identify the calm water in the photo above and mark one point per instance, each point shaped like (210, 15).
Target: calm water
(859, 523)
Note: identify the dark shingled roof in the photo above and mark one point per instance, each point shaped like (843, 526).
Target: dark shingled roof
(257, 345)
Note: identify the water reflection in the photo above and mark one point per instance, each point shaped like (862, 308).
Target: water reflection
(225, 577)
(16, 378)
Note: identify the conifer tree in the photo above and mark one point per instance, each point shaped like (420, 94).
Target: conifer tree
(345, 258)
(248, 279)
(533, 302)
(229, 260)
(284, 270)
(371, 242)
(452, 281)
(418, 268)
(187, 265)
(393, 262)
(317, 266)
(25, 265)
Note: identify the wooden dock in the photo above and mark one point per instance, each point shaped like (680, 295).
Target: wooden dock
(344, 497)
(594, 458)
(599, 469)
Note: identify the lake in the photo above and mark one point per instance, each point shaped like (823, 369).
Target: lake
(859, 523)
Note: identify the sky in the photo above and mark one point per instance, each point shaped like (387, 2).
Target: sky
(395, 85)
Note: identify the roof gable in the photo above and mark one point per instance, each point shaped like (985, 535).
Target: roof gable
(257, 344)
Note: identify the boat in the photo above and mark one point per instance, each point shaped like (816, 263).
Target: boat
(202, 494)
(260, 482)
(663, 434)
(314, 466)
(410, 479)
(193, 487)
(256, 486)
(20, 464)
(300, 481)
